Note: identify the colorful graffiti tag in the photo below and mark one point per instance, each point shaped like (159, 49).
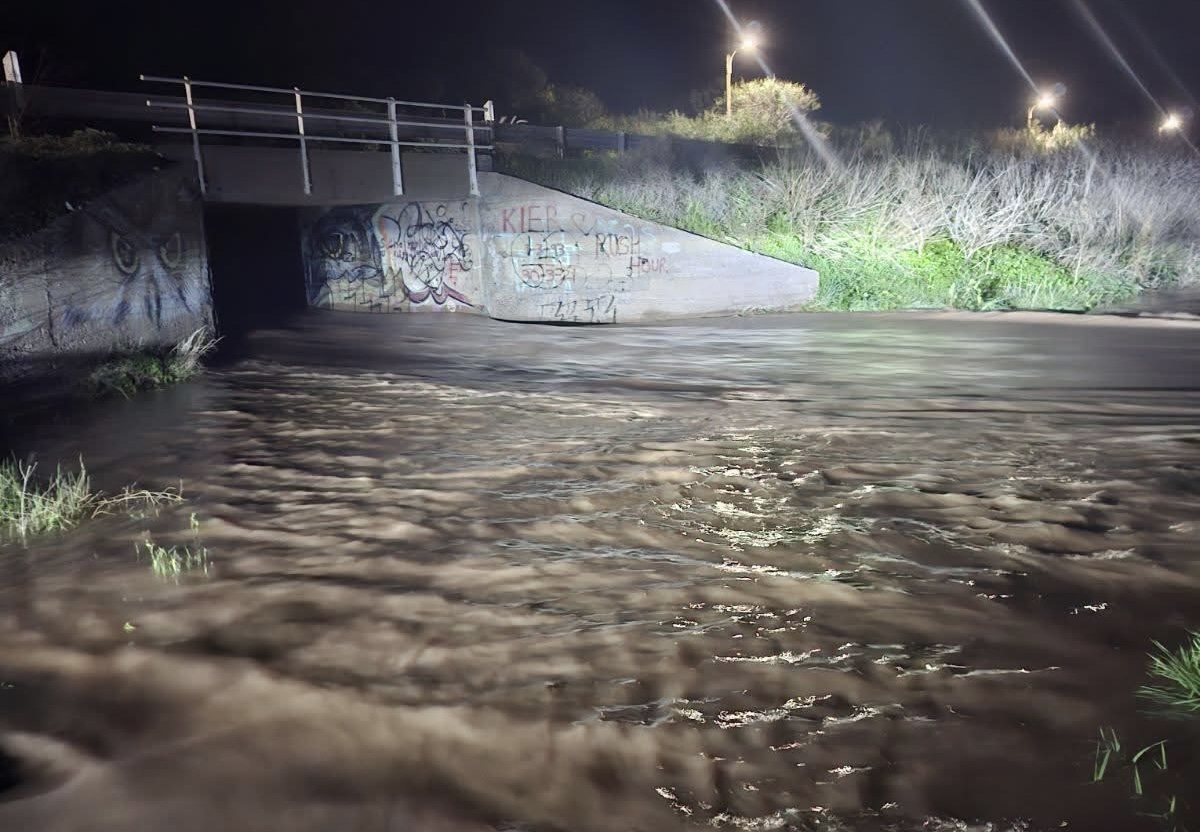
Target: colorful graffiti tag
(388, 258)
(579, 265)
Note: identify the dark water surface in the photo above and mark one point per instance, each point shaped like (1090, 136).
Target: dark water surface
(463, 573)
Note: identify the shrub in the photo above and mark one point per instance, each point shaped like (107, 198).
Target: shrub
(128, 373)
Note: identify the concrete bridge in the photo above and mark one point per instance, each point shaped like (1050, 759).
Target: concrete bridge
(267, 202)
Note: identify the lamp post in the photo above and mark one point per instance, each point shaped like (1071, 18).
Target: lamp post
(749, 41)
(1045, 101)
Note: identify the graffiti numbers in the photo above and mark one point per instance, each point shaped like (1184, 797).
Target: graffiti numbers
(597, 310)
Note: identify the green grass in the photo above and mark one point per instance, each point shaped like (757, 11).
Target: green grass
(127, 373)
(1153, 784)
(30, 506)
(1176, 687)
(171, 563)
(1159, 787)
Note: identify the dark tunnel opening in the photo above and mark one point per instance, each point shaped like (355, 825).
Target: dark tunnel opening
(256, 267)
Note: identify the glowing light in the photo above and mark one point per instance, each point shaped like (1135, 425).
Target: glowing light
(749, 42)
(802, 122)
(1171, 124)
(1045, 101)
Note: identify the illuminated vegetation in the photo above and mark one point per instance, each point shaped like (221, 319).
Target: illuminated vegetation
(31, 506)
(1157, 774)
(129, 372)
(1017, 220)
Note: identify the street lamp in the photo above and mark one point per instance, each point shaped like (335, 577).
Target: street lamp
(1045, 101)
(749, 42)
(1173, 123)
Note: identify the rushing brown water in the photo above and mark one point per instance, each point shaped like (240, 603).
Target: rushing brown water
(461, 573)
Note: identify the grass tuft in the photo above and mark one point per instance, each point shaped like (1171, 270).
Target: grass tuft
(1176, 689)
(30, 507)
(130, 373)
(173, 562)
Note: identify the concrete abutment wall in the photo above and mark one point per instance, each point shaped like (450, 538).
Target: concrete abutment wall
(524, 252)
(125, 270)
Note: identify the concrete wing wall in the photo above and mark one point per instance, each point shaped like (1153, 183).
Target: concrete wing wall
(557, 258)
(523, 252)
(127, 269)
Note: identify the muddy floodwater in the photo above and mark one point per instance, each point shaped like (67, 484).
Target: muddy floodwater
(447, 573)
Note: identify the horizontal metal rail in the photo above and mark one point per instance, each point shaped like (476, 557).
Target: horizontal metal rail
(310, 137)
(283, 91)
(303, 137)
(382, 121)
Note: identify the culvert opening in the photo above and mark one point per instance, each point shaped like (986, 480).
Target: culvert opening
(256, 267)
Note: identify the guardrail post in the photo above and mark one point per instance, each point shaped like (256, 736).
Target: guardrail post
(12, 80)
(397, 173)
(621, 143)
(303, 143)
(560, 139)
(191, 109)
(472, 171)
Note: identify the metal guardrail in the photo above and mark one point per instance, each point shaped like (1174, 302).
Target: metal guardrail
(299, 120)
(119, 108)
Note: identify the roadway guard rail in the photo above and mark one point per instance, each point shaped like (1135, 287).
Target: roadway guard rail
(386, 116)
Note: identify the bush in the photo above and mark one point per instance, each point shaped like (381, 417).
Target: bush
(765, 112)
(131, 372)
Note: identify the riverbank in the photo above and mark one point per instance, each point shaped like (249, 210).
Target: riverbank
(928, 225)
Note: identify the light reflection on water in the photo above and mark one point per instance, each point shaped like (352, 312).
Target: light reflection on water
(861, 563)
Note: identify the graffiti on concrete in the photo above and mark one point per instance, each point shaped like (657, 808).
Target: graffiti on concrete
(426, 249)
(583, 262)
(342, 256)
(153, 269)
(388, 258)
(542, 260)
(127, 267)
(597, 310)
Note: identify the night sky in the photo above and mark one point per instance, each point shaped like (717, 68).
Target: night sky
(911, 61)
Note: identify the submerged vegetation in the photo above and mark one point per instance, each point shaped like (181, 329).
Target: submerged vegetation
(173, 562)
(131, 371)
(1031, 220)
(31, 506)
(1157, 774)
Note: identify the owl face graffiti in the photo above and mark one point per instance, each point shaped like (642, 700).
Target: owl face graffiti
(153, 280)
(157, 272)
